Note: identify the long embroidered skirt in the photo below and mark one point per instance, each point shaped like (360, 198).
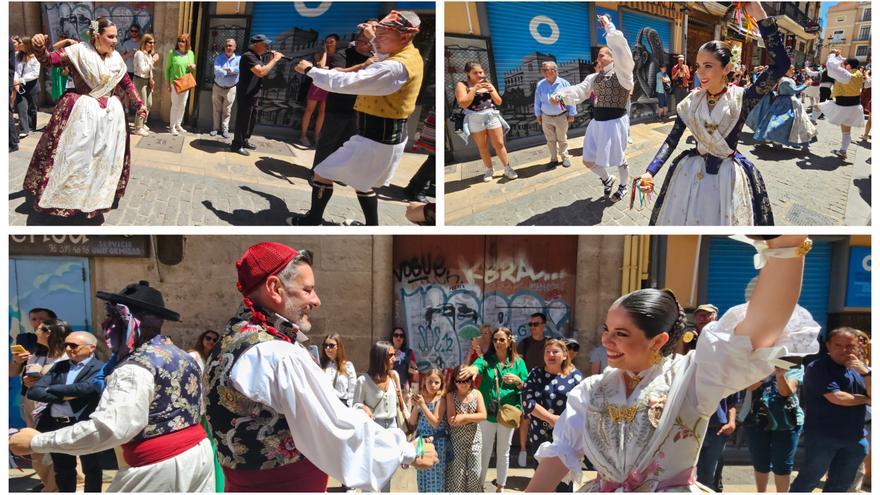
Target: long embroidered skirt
(736, 195)
(81, 164)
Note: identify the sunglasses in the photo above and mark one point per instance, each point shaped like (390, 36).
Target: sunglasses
(462, 382)
(502, 339)
(209, 338)
(535, 324)
(71, 345)
(329, 346)
(398, 335)
(391, 356)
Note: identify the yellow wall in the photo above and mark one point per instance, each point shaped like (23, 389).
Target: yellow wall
(681, 250)
(230, 8)
(457, 18)
(860, 240)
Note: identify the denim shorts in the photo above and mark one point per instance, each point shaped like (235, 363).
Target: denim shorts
(662, 100)
(482, 120)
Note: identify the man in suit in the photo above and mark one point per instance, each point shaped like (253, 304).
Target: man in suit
(72, 389)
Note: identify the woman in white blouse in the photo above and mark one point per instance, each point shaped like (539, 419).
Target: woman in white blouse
(642, 421)
(145, 59)
(27, 86)
(203, 346)
(378, 390)
(339, 370)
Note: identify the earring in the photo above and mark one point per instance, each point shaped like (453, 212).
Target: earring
(655, 358)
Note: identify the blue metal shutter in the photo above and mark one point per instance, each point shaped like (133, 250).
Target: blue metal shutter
(512, 40)
(731, 269)
(415, 6)
(342, 18)
(632, 22)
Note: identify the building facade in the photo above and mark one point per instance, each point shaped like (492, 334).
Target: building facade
(848, 29)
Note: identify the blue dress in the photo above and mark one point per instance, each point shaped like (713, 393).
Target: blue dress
(432, 480)
(550, 392)
(781, 118)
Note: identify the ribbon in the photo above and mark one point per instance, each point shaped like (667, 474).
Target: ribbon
(636, 479)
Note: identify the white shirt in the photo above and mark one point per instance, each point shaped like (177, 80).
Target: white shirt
(342, 442)
(382, 403)
(143, 64)
(835, 71)
(121, 414)
(623, 67)
(27, 71)
(379, 79)
(344, 385)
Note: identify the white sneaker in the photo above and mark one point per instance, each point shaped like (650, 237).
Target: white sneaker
(142, 132)
(174, 131)
(181, 130)
(510, 172)
(521, 459)
(629, 140)
(146, 128)
(566, 162)
(487, 175)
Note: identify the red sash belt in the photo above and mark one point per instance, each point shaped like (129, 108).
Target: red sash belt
(300, 476)
(157, 449)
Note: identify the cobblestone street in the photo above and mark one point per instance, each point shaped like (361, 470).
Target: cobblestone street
(812, 188)
(193, 179)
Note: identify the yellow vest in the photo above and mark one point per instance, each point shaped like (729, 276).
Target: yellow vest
(402, 103)
(852, 88)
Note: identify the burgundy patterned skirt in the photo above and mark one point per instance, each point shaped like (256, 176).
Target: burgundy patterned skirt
(43, 159)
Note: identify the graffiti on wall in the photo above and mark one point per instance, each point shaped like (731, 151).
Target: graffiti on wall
(71, 19)
(446, 290)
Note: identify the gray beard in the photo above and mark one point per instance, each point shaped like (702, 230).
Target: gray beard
(295, 315)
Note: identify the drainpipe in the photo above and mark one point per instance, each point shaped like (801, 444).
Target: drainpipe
(624, 269)
(470, 24)
(684, 33)
(693, 300)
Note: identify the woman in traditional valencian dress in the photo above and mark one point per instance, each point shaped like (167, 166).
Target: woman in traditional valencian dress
(714, 184)
(782, 119)
(642, 421)
(81, 164)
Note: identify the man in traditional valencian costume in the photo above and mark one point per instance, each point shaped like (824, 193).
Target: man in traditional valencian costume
(845, 109)
(277, 421)
(387, 91)
(151, 406)
(607, 134)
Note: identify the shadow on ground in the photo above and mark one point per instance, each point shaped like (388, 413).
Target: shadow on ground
(35, 218)
(276, 214)
(581, 212)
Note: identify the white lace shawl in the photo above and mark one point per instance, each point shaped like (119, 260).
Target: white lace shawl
(694, 110)
(101, 74)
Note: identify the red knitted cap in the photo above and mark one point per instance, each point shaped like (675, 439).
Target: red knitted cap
(259, 262)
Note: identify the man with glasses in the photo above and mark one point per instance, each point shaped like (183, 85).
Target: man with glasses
(553, 118)
(223, 93)
(72, 389)
(531, 349)
(129, 47)
(277, 420)
(340, 119)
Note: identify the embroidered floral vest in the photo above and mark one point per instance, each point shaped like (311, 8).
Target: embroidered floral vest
(177, 402)
(609, 92)
(248, 434)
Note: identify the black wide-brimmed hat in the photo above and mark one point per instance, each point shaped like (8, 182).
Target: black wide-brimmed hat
(141, 296)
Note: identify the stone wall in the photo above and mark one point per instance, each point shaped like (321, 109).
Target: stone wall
(599, 262)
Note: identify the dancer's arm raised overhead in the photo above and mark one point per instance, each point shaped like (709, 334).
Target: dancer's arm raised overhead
(623, 57)
(835, 68)
(776, 290)
(779, 59)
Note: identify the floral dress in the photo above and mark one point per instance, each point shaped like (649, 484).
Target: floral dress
(463, 470)
(433, 480)
(714, 184)
(650, 440)
(83, 167)
(549, 391)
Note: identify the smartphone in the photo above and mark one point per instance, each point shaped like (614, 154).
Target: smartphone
(313, 350)
(17, 348)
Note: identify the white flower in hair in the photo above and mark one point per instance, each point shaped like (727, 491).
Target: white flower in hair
(93, 26)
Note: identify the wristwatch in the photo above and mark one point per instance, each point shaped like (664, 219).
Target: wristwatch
(307, 69)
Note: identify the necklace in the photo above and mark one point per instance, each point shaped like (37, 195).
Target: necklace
(713, 98)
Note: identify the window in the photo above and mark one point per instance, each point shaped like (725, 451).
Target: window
(837, 37)
(865, 33)
(862, 51)
(841, 18)
(866, 14)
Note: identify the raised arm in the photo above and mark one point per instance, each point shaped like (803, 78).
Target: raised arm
(835, 68)
(778, 66)
(379, 79)
(776, 293)
(623, 57)
(575, 94)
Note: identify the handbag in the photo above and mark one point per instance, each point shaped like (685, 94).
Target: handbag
(184, 83)
(507, 416)
(457, 120)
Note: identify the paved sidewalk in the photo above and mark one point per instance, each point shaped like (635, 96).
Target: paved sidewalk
(737, 479)
(193, 179)
(813, 188)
